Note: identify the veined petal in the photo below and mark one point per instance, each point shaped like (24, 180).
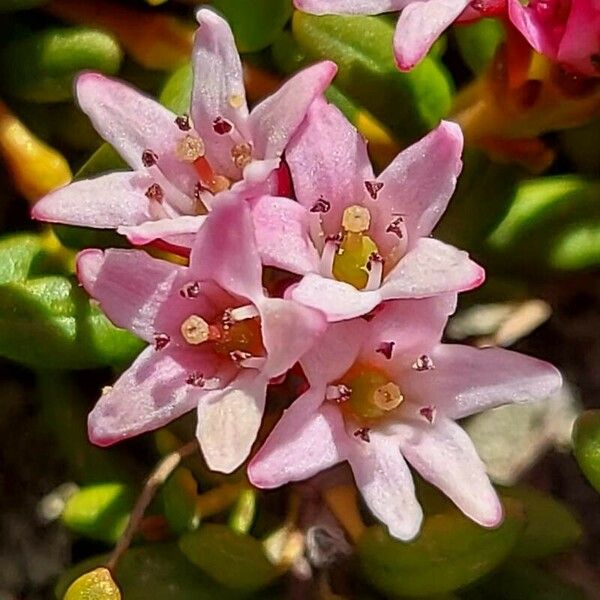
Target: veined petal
(162, 230)
(281, 227)
(431, 268)
(289, 330)
(225, 250)
(468, 380)
(273, 122)
(218, 90)
(303, 442)
(228, 421)
(420, 24)
(150, 394)
(418, 184)
(131, 287)
(328, 159)
(349, 7)
(107, 201)
(445, 456)
(384, 480)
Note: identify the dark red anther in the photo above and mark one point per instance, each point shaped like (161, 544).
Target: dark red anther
(423, 363)
(321, 206)
(149, 158)
(344, 393)
(395, 226)
(363, 434)
(191, 290)
(183, 122)
(336, 238)
(373, 187)
(386, 348)
(374, 257)
(161, 340)
(428, 413)
(198, 189)
(221, 126)
(196, 379)
(155, 192)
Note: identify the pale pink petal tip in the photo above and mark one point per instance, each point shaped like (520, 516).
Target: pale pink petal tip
(88, 265)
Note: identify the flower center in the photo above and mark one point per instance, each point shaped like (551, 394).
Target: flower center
(356, 250)
(366, 393)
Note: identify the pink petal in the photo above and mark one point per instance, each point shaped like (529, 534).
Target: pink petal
(328, 158)
(228, 421)
(445, 456)
(165, 229)
(131, 287)
(104, 202)
(289, 330)
(543, 38)
(469, 380)
(431, 268)
(225, 250)
(218, 90)
(281, 229)
(303, 442)
(132, 122)
(420, 25)
(349, 7)
(274, 121)
(418, 184)
(150, 394)
(338, 300)
(386, 484)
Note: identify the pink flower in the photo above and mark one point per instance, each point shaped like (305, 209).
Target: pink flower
(215, 339)
(180, 163)
(387, 391)
(360, 239)
(566, 31)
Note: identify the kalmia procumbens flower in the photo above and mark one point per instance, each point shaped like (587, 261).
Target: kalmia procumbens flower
(181, 163)
(566, 31)
(360, 239)
(215, 339)
(384, 391)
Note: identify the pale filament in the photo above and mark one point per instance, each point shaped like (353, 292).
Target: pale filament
(243, 312)
(254, 362)
(375, 275)
(327, 257)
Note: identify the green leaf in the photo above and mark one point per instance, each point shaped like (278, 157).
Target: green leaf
(14, 5)
(553, 223)
(40, 67)
(235, 560)
(410, 103)
(450, 552)
(49, 322)
(586, 445)
(538, 539)
(95, 585)
(244, 512)
(154, 572)
(179, 495)
(255, 23)
(478, 42)
(100, 511)
(176, 94)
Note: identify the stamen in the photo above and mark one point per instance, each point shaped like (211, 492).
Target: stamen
(254, 362)
(386, 348)
(222, 126)
(195, 330)
(388, 397)
(155, 192)
(241, 155)
(356, 219)
(183, 122)
(149, 158)
(161, 340)
(373, 187)
(397, 227)
(340, 393)
(237, 356)
(423, 363)
(327, 258)
(243, 312)
(196, 379)
(321, 206)
(375, 269)
(189, 149)
(428, 413)
(363, 434)
(107, 389)
(190, 290)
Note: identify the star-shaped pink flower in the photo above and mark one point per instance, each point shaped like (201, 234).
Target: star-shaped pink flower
(360, 239)
(181, 162)
(386, 391)
(215, 339)
(567, 31)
